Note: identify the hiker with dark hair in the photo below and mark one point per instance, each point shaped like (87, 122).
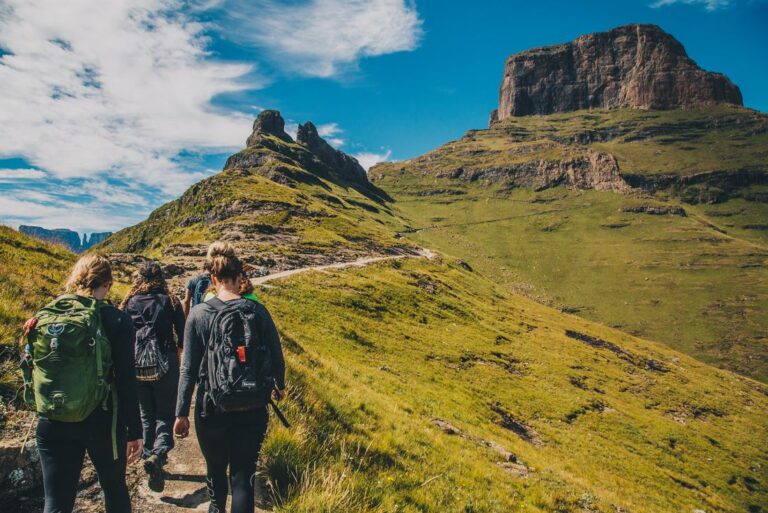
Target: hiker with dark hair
(79, 372)
(157, 315)
(196, 288)
(232, 350)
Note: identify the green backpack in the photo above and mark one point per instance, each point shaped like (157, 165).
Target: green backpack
(68, 361)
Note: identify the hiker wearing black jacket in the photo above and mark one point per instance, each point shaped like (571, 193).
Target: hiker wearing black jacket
(62, 445)
(227, 438)
(150, 302)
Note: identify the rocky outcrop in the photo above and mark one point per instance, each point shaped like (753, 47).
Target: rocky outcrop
(313, 154)
(268, 122)
(95, 238)
(634, 66)
(343, 165)
(592, 170)
(64, 237)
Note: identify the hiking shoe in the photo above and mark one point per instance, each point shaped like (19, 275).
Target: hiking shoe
(154, 470)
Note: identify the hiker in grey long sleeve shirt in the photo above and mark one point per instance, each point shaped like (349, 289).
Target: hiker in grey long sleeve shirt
(196, 333)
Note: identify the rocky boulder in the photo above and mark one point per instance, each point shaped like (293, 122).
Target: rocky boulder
(19, 469)
(633, 66)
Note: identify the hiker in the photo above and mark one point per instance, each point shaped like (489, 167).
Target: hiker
(196, 289)
(232, 345)
(78, 368)
(157, 314)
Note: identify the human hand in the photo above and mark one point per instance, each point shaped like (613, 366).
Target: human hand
(277, 395)
(133, 450)
(29, 325)
(181, 427)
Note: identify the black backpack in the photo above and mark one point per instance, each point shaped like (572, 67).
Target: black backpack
(151, 361)
(237, 366)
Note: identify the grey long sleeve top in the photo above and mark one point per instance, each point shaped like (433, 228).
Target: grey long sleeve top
(196, 334)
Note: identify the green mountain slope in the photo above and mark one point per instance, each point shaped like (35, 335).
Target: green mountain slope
(430, 388)
(656, 257)
(31, 272)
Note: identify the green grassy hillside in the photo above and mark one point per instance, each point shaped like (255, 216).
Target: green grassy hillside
(31, 272)
(425, 387)
(694, 277)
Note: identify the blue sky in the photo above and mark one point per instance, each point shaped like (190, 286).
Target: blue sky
(107, 113)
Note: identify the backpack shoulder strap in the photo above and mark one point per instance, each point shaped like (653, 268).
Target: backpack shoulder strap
(158, 309)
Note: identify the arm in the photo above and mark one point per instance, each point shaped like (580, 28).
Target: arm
(187, 301)
(272, 339)
(179, 319)
(121, 334)
(194, 347)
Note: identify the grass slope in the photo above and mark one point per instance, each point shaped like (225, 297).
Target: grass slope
(549, 412)
(696, 282)
(31, 272)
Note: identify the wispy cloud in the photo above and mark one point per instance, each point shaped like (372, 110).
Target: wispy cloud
(115, 91)
(330, 132)
(324, 38)
(369, 159)
(20, 175)
(709, 5)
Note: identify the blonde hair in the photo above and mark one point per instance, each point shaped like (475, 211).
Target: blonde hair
(223, 262)
(89, 273)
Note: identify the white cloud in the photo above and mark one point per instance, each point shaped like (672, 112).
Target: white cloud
(15, 175)
(322, 38)
(330, 132)
(118, 88)
(52, 214)
(709, 5)
(369, 159)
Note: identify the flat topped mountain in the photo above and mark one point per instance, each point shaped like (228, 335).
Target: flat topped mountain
(633, 66)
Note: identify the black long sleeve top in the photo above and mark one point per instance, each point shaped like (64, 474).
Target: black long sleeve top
(196, 335)
(118, 328)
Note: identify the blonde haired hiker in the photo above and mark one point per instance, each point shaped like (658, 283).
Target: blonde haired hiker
(79, 372)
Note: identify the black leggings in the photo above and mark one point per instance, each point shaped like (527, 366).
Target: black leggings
(62, 447)
(234, 440)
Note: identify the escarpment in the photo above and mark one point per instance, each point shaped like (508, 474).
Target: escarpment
(633, 66)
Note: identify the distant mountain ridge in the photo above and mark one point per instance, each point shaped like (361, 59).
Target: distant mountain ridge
(65, 237)
(633, 66)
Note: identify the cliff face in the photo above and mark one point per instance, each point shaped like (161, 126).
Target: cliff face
(343, 164)
(634, 66)
(65, 237)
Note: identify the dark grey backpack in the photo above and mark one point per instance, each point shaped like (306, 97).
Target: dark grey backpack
(237, 366)
(151, 362)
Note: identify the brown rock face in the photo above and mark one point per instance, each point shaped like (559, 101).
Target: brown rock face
(344, 165)
(634, 66)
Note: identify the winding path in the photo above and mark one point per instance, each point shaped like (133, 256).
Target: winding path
(360, 262)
